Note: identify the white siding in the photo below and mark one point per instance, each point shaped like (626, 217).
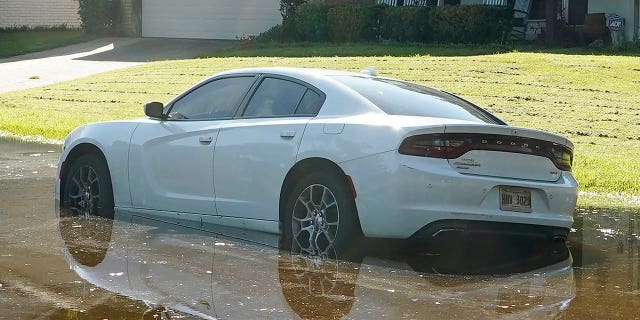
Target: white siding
(33, 13)
(208, 19)
(623, 8)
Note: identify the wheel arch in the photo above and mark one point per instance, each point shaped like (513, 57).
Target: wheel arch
(75, 153)
(308, 165)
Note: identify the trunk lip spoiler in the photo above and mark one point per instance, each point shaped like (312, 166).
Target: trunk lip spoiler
(508, 130)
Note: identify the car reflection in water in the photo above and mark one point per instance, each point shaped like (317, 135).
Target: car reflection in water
(177, 269)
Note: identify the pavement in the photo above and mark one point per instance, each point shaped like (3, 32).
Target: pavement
(96, 56)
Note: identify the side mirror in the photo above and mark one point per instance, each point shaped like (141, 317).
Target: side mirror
(154, 110)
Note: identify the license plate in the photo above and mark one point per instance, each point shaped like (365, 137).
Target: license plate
(515, 199)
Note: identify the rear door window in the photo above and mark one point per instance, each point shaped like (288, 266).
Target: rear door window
(310, 103)
(275, 97)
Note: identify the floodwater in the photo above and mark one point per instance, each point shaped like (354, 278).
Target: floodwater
(135, 267)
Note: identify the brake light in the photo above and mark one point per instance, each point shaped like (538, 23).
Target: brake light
(432, 146)
(562, 158)
(452, 146)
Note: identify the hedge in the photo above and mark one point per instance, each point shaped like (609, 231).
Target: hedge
(470, 24)
(99, 16)
(353, 23)
(321, 20)
(311, 21)
(405, 24)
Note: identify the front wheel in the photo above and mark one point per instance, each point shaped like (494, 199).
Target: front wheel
(321, 218)
(87, 188)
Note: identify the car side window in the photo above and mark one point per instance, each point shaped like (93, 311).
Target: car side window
(310, 103)
(275, 97)
(217, 99)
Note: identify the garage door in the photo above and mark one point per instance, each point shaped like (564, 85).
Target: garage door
(208, 19)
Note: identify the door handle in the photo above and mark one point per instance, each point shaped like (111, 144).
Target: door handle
(287, 134)
(205, 139)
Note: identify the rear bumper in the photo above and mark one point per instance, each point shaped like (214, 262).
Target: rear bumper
(399, 195)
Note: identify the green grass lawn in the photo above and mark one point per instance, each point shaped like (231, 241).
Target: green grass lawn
(13, 43)
(592, 99)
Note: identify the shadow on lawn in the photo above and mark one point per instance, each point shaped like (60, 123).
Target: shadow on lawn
(372, 49)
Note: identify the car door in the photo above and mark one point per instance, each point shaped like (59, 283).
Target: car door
(255, 150)
(171, 160)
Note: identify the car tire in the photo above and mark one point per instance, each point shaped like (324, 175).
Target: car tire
(320, 217)
(87, 188)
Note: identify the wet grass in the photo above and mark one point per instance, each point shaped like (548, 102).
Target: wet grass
(591, 99)
(13, 43)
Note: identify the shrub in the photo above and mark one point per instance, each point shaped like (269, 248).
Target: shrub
(311, 21)
(405, 24)
(470, 24)
(273, 34)
(353, 23)
(288, 8)
(24, 28)
(359, 20)
(287, 30)
(99, 16)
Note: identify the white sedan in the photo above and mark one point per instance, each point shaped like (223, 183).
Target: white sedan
(322, 157)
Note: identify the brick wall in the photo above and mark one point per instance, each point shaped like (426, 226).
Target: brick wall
(32, 13)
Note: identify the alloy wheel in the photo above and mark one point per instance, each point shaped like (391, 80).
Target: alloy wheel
(84, 194)
(315, 221)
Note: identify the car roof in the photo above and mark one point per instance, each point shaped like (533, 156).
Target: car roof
(290, 71)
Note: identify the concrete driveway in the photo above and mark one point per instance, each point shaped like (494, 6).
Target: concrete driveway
(100, 55)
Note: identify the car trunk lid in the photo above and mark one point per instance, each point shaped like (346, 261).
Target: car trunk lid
(494, 150)
(510, 152)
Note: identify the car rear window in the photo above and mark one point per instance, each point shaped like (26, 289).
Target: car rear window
(310, 103)
(409, 99)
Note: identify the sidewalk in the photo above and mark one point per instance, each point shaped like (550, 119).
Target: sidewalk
(96, 56)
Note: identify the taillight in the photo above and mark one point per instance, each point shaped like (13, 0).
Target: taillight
(432, 146)
(452, 146)
(562, 157)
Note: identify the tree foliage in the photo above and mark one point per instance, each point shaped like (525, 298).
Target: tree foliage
(99, 16)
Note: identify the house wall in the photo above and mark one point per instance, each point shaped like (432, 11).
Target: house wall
(209, 19)
(34, 13)
(623, 8)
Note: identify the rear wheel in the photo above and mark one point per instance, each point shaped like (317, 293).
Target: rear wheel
(87, 188)
(321, 218)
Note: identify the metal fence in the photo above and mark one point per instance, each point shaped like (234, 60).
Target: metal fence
(494, 2)
(395, 3)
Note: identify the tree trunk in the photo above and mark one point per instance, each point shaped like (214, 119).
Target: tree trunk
(636, 20)
(551, 14)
